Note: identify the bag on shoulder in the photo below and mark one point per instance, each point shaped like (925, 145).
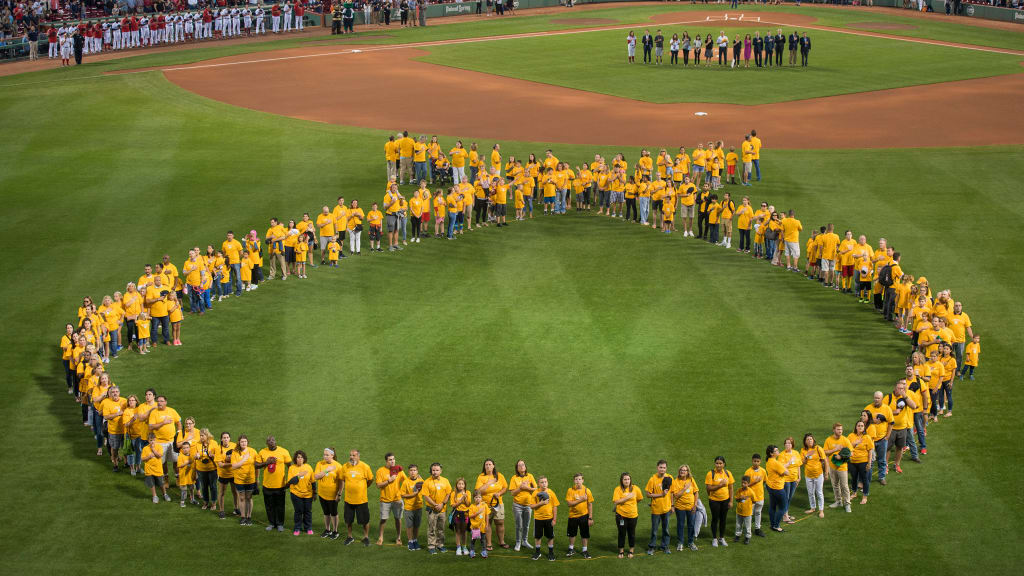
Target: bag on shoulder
(885, 275)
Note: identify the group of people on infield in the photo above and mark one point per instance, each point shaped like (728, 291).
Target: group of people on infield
(222, 473)
(763, 50)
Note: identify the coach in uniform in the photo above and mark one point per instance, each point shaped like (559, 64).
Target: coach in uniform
(805, 49)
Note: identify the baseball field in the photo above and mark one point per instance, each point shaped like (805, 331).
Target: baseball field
(579, 343)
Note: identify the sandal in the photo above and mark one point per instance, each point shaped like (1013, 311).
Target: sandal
(490, 548)
(621, 555)
(505, 546)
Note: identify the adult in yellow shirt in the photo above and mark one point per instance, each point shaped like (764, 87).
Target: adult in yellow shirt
(389, 479)
(491, 486)
(405, 149)
(356, 476)
(232, 250)
(496, 160)
(829, 247)
(274, 239)
(206, 468)
(355, 228)
(757, 153)
(747, 157)
(775, 482)
(243, 464)
(657, 489)
(902, 403)
(156, 300)
(300, 487)
(164, 423)
(327, 475)
(391, 156)
(791, 228)
(845, 255)
(272, 461)
(580, 500)
(436, 489)
(521, 486)
(458, 156)
(421, 166)
(544, 504)
(837, 466)
(625, 497)
(112, 409)
(325, 222)
(225, 475)
(882, 418)
(684, 494)
(719, 484)
(792, 460)
(862, 451)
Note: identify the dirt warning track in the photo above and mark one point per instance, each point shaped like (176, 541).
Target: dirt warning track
(387, 89)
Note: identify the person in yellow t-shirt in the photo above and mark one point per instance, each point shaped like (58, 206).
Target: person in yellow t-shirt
(791, 228)
(301, 250)
(300, 487)
(389, 479)
(861, 454)
(412, 504)
(657, 489)
(391, 157)
(747, 152)
(744, 510)
(459, 501)
(846, 264)
(521, 486)
(458, 156)
(730, 164)
(333, 252)
(436, 490)
(405, 151)
(326, 475)
(719, 483)
(243, 465)
(756, 474)
(355, 477)
(714, 211)
(174, 314)
(744, 217)
(492, 485)
(272, 461)
(325, 222)
(112, 409)
(685, 494)
(151, 457)
(479, 518)
(837, 466)
(811, 268)
(421, 165)
(374, 219)
(580, 500)
(972, 355)
(828, 246)
(185, 469)
(625, 497)
(544, 504)
(814, 474)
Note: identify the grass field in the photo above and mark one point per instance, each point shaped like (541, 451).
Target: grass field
(578, 343)
(832, 70)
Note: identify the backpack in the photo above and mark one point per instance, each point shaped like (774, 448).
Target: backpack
(885, 276)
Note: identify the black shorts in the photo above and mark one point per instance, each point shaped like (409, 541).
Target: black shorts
(499, 209)
(289, 254)
(581, 524)
(863, 284)
(899, 438)
(374, 233)
(543, 529)
(225, 481)
(330, 507)
(656, 205)
(341, 237)
(361, 512)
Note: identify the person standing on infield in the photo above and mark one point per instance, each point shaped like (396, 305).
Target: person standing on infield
(648, 43)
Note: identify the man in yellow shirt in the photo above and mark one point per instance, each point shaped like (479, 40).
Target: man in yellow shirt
(657, 490)
(747, 157)
(164, 424)
(389, 479)
(274, 241)
(156, 301)
(435, 493)
(355, 476)
(340, 214)
(419, 160)
(791, 228)
(405, 149)
(272, 461)
(391, 157)
(838, 467)
(757, 153)
(232, 250)
(881, 416)
(902, 405)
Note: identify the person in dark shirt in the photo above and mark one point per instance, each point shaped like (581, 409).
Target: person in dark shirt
(780, 47)
(78, 43)
(805, 49)
(758, 44)
(737, 48)
(659, 47)
(648, 42)
(794, 40)
(769, 48)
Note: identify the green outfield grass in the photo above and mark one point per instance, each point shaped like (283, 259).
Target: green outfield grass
(832, 70)
(578, 343)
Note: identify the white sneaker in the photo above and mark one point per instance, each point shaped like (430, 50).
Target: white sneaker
(714, 543)
(847, 508)
(156, 500)
(516, 547)
(834, 505)
(679, 547)
(528, 545)
(722, 542)
(458, 551)
(167, 496)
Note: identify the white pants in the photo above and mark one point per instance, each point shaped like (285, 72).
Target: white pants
(298, 23)
(816, 492)
(236, 25)
(207, 29)
(287, 22)
(179, 32)
(276, 24)
(117, 40)
(97, 45)
(247, 23)
(353, 241)
(52, 52)
(135, 38)
(758, 506)
(261, 25)
(458, 174)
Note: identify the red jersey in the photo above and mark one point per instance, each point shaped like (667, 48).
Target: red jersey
(207, 17)
(134, 24)
(126, 25)
(275, 11)
(154, 25)
(97, 30)
(51, 35)
(299, 10)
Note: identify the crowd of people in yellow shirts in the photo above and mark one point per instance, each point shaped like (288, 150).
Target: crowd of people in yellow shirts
(150, 439)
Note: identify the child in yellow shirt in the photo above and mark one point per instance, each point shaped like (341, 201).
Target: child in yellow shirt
(246, 272)
(744, 510)
(142, 328)
(478, 516)
(333, 250)
(301, 248)
(730, 164)
(186, 468)
(971, 356)
(520, 202)
(374, 218)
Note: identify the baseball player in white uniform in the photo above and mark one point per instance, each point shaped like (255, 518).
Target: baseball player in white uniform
(144, 29)
(190, 25)
(106, 34)
(286, 12)
(179, 28)
(115, 32)
(236, 22)
(247, 21)
(261, 20)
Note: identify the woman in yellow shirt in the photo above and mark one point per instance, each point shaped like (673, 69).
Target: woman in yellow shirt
(775, 483)
(860, 460)
(521, 486)
(626, 496)
(792, 460)
(206, 468)
(326, 476)
(300, 483)
(243, 464)
(719, 483)
(814, 474)
(684, 494)
(67, 345)
(491, 485)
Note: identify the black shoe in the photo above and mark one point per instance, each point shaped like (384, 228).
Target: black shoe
(586, 554)
(551, 555)
(759, 533)
(335, 535)
(366, 541)
(536, 554)
(236, 512)
(349, 540)
(570, 552)
(736, 539)
(325, 534)
(221, 515)
(746, 540)
(342, 255)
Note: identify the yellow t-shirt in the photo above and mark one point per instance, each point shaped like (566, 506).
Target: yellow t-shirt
(499, 485)
(687, 491)
(419, 152)
(545, 511)
(412, 489)
(356, 477)
(862, 447)
(246, 473)
(627, 509)
(972, 351)
(791, 228)
(716, 477)
(745, 502)
(164, 433)
(325, 223)
(436, 490)
(792, 461)
(458, 157)
(842, 442)
(303, 488)
(355, 218)
(111, 408)
(373, 218)
(813, 459)
(461, 501)
(757, 478)
(529, 484)
(829, 244)
(478, 515)
(663, 503)
(775, 478)
(581, 508)
(273, 474)
(153, 466)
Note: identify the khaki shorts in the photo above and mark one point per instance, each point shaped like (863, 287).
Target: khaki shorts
(686, 211)
(828, 265)
(389, 509)
(793, 249)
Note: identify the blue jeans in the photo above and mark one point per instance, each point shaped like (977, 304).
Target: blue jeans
(769, 249)
(136, 457)
(99, 427)
(529, 203)
(115, 342)
(236, 278)
(560, 201)
(685, 521)
(158, 326)
(881, 446)
(420, 171)
(656, 520)
(947, 392)
(643, 207)
(403, 223)
(912, 442)
(207, 303)
(777, 503)
(195, 299)
(757, 169)
(472, 174)
(452, 218)
(919, 429)
(789, 488)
